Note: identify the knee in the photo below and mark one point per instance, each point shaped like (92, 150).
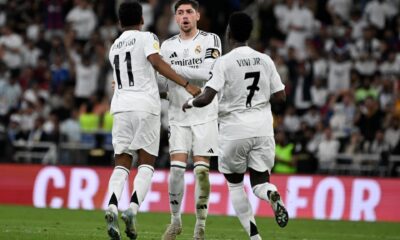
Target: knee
(201, 172)
(177, 169)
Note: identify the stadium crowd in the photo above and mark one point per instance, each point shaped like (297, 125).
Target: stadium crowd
(339, 60)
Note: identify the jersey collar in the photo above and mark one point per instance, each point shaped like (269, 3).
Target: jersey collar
(191, 39)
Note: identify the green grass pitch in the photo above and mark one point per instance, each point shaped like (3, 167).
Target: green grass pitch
(25, 223)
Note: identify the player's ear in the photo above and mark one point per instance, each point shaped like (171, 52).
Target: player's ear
(197, 15)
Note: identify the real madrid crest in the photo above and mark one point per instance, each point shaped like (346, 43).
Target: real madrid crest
(197, 50)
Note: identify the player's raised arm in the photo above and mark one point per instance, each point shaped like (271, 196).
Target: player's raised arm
(164, 69)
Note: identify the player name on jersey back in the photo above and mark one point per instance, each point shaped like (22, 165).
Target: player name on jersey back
(129, 42)
(248, 62)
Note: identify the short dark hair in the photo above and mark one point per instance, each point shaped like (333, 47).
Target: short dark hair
(240, 26)
(194, 4)
(130, 14)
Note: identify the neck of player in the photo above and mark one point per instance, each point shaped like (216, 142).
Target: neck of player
(188, 35)
(134, 27)
(235, 44)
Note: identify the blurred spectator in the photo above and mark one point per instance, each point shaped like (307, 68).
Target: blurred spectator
(284, 160)
(390, 69)
(86, 74)
(339, 73)
(10, 93)
(10, 48)
(319, 93)
(282, 68)
(382, 148)
(328, 150)
(312, 117)
(291, 122)
(30, 54)
(366, 90)
(366, 66)
(53, 17)
(70, 128)
(355, 145)
(378, 11)
(386, 96)
(357, 24)
(298, 24)
(339, 7)
(109, 32)
(305, 159)
(82, 19)
(319, 64)
(14, 130)
(367, 46)
(59, 75)
(392, 135)
(369, 118)
(302, 84)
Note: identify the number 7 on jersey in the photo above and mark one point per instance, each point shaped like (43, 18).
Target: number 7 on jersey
(252, 88)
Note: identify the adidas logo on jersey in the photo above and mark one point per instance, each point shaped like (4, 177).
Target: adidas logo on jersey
(210, 150)
(173, 55)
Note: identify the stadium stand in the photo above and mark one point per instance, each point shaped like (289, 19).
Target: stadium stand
(339, 60)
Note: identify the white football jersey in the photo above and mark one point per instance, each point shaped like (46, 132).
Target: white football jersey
(199, 52)
(245, 80)
(136, 86)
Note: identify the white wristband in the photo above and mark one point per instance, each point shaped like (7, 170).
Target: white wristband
(190, 102)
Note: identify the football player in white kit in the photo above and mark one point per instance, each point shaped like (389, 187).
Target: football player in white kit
(247, 82)
(136, 109)
(191, 53)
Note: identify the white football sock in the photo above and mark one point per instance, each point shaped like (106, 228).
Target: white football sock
(261, 190)
(116, 185)
(176, 184)
(243, 209)
(141, 185)
(202, 191)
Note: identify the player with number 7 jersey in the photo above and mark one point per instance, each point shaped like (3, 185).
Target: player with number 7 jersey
(247, 82)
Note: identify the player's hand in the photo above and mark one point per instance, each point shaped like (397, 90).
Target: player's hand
(193, 90)
(113, 85)
(186, 105)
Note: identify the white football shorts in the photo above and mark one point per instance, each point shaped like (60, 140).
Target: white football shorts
(200, 139)
(136, 130)
(236, 156)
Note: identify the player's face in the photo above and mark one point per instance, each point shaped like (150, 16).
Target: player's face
(186, 17)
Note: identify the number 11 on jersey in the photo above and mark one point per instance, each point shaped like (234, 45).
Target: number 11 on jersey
(128, 61)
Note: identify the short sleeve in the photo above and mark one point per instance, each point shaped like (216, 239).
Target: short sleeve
(151, 44)
(217, 79)
(276, 84)
(213, 49)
